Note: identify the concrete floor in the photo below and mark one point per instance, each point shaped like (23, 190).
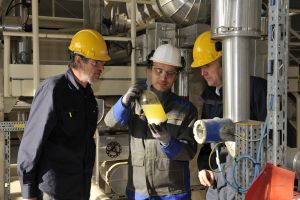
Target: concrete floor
(96, 192)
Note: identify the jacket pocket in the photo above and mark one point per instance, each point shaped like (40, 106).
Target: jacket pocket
(137, 161)
(169, 177)
(71, 121)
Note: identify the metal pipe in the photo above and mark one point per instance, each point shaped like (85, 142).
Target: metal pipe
(138, 1)
(53, 8)
(235, 18)
(86, 13)
(236, 78)
(61, 36)
(185, 12)
(133, 40)
(294, 58)
(294, 33)
(58, 19)
(297, 96)
(35, 44)
(293, 160)
(6, 58)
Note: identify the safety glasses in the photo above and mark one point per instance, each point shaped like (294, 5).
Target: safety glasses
(159, 71)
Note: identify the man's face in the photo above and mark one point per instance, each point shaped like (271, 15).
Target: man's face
(92, 70)
(212, 73)
(163, 76)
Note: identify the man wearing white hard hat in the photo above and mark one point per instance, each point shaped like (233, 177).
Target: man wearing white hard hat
(158, 166)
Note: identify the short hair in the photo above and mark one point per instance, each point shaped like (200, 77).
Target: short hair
(72, 55)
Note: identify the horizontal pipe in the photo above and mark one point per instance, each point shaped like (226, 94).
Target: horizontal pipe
(138, 1)
(58, 19)
(294, 43)
(61, 36)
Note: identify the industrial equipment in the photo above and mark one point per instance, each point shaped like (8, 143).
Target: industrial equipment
(34, 42)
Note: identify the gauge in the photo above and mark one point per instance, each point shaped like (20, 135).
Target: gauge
(113, 149)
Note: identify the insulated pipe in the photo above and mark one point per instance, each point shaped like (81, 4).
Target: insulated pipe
(35, 44)
(293, 160)
(133, 38)
(236, 23)
(185, 12)
(236, 78)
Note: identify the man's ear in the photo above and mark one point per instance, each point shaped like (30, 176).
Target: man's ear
(77, 60)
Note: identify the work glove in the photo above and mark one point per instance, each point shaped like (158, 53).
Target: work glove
(159, 132)
(134, 92)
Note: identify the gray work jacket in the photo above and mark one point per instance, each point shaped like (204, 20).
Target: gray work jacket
(154, 169)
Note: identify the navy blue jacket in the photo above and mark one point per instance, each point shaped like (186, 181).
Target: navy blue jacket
(213, 107)
(57, 151)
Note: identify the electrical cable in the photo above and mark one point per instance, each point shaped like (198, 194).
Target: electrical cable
(8, 11)
(8, 7)
(257, 163)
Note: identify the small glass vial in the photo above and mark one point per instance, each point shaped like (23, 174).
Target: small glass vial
(152, 107)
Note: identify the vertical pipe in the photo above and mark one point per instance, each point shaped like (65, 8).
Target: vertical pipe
(236, 78)
(35, 44)
(86, 14)
(53, 8)
(2, 140)
(133, 41)
(7, 91)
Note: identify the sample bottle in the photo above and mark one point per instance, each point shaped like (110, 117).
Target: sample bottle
(152, 107)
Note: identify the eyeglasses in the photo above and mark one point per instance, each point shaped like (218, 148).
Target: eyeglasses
(92, 61)
(97, 62)
(170, 74)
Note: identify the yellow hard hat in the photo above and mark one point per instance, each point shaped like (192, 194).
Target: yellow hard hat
(205, 50)
(90, 44)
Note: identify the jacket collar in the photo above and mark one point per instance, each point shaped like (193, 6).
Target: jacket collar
(162, 96)
(74, 85)
(209, 93)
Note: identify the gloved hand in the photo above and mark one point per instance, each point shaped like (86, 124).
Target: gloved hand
(133, 92)
(160, 132)
(206, 177)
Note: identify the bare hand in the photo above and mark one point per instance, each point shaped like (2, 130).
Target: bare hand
(206, 177)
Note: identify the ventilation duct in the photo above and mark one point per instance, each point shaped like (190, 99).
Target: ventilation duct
(180, 12)
(185, 12)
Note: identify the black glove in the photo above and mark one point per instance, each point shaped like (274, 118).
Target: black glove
(160, 132)
(134, 92)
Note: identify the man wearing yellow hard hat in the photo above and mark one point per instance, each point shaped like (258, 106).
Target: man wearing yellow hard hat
(207, 60)
(57, 151)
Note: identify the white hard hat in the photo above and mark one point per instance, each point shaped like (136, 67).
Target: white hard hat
(167, 54)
